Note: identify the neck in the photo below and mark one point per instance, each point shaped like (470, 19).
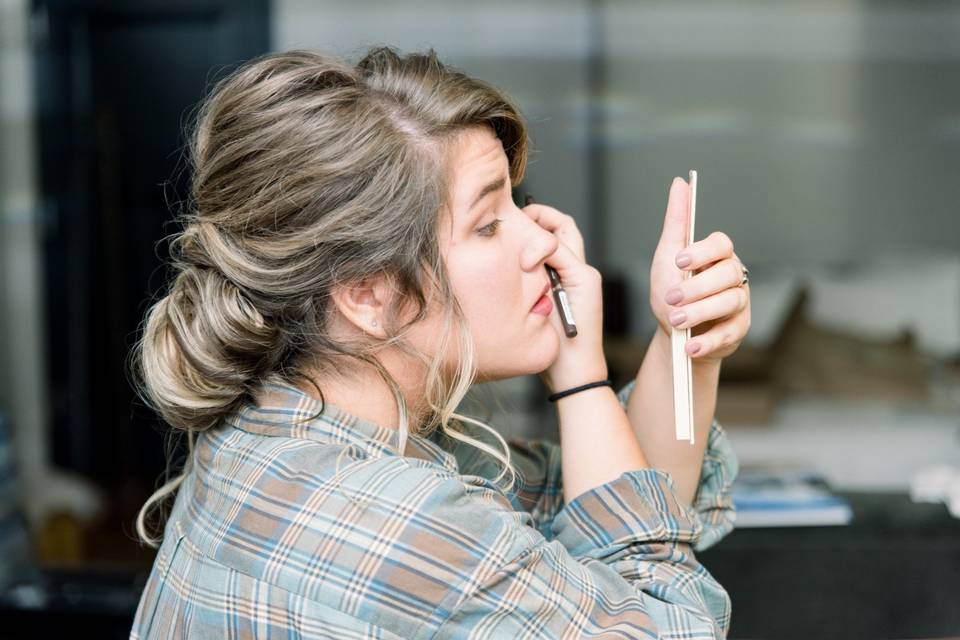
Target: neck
(364, 394)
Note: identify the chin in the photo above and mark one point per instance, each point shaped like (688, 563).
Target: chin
(543, 352)
(529, 358)
(538, 354)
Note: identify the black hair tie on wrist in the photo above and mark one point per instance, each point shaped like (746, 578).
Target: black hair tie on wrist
(590, 385)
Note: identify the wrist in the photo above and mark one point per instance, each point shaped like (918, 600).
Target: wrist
(707, 366)
(576, 377)
(554, 397)
(662, 346)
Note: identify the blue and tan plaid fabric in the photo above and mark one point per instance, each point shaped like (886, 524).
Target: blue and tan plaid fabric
(263, 543)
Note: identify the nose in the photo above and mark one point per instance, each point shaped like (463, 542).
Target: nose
(538, 244)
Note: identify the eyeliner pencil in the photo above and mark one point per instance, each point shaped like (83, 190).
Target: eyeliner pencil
(559, 295)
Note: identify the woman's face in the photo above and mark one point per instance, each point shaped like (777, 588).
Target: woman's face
(495, 256)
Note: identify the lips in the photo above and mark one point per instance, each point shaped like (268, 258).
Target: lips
(546, 288)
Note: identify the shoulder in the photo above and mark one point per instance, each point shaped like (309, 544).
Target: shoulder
(320, 520)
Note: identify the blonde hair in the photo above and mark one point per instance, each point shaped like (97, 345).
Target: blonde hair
(309, 173)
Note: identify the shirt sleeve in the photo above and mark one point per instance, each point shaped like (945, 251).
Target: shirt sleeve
(539, 486)
(713, 501)
(538, 489)
(620, 564)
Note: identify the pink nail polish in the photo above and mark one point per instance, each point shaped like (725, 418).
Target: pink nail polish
(695, 349)
(683, 260)
(677, 317)
(674, 296)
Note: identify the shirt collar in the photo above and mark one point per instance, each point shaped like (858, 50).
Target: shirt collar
(281, 409)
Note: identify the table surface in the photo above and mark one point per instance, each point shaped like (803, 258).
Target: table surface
(894, 572)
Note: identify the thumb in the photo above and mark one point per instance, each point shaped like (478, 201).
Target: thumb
(674, 236)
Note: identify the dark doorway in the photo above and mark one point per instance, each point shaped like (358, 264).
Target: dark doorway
(117, 83)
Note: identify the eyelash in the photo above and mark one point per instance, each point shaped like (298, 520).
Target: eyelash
(491, 229)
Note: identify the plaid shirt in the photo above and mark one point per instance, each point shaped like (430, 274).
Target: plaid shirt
(262, 542)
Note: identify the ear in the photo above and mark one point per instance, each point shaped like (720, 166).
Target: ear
(364, 304)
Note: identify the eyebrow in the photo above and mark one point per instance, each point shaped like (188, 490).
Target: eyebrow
(496, 185)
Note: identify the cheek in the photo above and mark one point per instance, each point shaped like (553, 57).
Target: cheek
(489, 288)
(485, 286)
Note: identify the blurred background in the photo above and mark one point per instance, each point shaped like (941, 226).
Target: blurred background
(827, 140)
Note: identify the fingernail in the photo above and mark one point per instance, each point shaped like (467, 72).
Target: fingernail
(677, 316)
(674, 296)
(683, 260)
(695, 348)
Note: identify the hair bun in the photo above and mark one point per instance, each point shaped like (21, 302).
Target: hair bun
(207, 341)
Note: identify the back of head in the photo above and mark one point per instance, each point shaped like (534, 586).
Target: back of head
(309, 173)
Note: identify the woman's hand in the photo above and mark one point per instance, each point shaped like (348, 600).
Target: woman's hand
(581, 358)
(715, 308)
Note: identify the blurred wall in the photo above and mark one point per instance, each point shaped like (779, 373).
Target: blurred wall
(22, 390)
(822, 131)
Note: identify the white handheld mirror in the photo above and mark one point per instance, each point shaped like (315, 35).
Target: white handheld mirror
(682, 364)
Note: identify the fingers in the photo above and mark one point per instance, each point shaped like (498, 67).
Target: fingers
(722, 275)
(719, 338)
(674, 234)
(729, 302)
(717, 246)
(562, 225)
(571, 268)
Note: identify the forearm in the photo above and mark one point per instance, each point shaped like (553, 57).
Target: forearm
(598, 441)
(651, 414)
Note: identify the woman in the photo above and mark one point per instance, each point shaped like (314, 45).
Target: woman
(352, 261)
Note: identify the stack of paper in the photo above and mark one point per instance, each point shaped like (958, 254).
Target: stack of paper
(787, 498)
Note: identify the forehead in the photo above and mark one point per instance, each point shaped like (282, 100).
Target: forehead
(477, 159)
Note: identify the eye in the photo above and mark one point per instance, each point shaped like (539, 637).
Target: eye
(490, 229)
